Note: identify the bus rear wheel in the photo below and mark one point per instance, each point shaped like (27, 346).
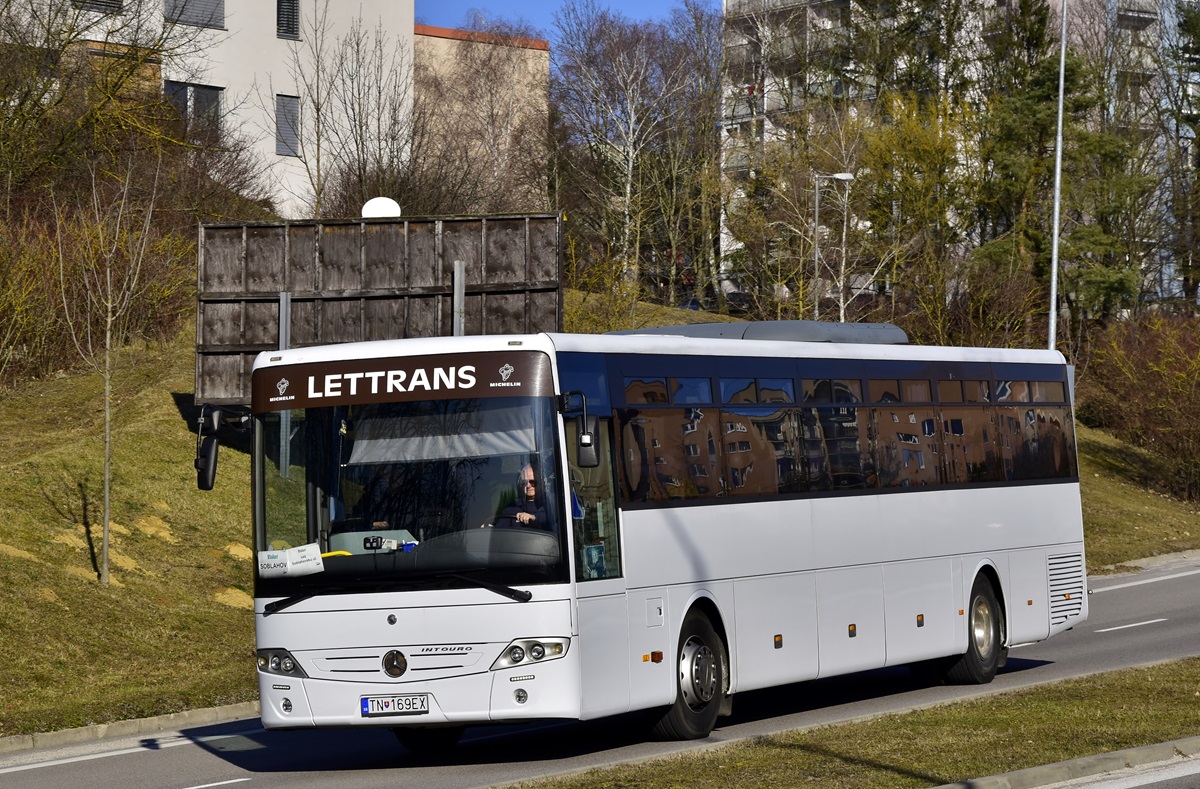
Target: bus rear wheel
(985, 638)
(701, 685)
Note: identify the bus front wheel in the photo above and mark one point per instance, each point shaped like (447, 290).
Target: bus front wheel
(701, 684)
(985, 638)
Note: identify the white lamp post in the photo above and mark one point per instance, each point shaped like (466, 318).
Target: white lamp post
(1058, 146)
(817, 178)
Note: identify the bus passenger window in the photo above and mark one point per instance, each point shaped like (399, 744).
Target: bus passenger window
(950, 392)
(1048, 391)
(835, 448)
(915, 391)
(976, 392)
(1012, 392)
(884, 391)
(762, 455)
(738, 390)
(776, 390)
(907, 451)
(691, 391)
(669, 453)
(645, 390)
(825, 390)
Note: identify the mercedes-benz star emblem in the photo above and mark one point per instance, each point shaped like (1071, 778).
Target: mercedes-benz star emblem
(394, 663)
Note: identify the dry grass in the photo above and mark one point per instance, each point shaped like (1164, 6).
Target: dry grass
(940, 745)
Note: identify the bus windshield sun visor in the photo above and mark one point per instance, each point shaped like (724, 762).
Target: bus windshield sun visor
(430, 437)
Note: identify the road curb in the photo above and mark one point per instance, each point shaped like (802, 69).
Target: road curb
(173, 722)
(1084, 767)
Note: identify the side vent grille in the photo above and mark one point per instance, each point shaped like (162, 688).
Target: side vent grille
(1066, 587)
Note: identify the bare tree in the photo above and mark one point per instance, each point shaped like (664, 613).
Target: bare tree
(485, 96)
(104, 248)
(614, 93)
(356, 114)
(73, 79)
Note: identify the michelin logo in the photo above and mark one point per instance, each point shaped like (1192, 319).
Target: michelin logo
(282, 388)
(505, 373)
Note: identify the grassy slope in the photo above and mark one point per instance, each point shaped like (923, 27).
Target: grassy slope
(174, 630)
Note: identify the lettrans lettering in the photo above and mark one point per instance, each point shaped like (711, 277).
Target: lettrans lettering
(389, 381)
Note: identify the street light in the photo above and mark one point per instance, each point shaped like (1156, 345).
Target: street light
(845, 178)
(1058, 146)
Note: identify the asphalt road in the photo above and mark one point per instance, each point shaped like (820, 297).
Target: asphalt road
(1135, 620)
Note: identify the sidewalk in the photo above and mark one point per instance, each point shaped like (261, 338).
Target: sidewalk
(174, 722)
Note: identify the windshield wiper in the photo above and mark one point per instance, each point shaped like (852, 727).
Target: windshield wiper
(288, 602)
(505, 591)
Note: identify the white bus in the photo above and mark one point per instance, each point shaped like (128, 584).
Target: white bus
(459, 531)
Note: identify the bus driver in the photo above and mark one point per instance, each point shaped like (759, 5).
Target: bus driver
(527, 510)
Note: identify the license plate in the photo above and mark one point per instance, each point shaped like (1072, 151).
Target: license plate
(408, 704)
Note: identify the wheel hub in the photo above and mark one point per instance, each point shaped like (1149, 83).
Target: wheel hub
(982, 631)
(697, 673)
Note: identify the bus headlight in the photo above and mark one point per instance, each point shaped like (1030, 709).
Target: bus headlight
(525, 651)
(279, 661)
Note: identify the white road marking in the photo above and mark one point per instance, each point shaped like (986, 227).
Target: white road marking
(1125, 627)
(220, 783)
(1145, 581)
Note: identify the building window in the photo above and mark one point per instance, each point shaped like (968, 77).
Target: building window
(100, 6)
(199, 106)
(287, 125)
(287, 19)
(200, 13)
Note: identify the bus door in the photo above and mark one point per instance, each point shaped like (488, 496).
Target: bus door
(602, 611)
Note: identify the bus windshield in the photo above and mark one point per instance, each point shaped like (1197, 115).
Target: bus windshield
(409, 495)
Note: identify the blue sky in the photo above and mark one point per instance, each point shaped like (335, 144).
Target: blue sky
(539, 13)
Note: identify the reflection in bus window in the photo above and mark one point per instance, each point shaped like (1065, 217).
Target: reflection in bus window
(825, 390)
(646, 390)
(906, 447)
(976, 392)
(915, 392)
(836, 456)
(691, 391)
(968, 454)
(762, 452)
(950, 392)
(738, 390)
(883, 391)
(776, 390)
(1048, 391)
(1012, 392)
(668, 454)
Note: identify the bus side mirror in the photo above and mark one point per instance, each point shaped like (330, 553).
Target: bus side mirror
(206, 447)
(586, 453)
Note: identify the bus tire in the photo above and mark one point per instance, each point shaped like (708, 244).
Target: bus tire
(429, 741)
(702, 680)
(985, 638)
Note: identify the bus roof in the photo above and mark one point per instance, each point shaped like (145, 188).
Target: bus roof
(652, 342)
